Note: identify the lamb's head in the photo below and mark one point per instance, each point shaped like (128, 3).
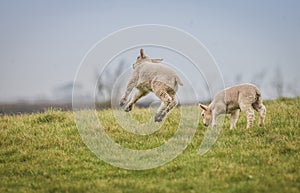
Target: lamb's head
(206, 114)
(143, 58)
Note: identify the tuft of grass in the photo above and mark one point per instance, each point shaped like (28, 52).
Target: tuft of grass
(45, 153)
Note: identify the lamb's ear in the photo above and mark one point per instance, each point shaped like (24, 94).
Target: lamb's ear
(157, 60)
(142, 53)
(204, 107)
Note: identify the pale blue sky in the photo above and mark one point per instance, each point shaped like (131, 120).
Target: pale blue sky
(43, 42)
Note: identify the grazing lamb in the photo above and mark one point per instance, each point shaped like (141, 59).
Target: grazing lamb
(150, 75)
(244, 97)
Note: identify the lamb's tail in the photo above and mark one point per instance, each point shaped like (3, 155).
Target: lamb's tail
(258, 102)
(258, 96)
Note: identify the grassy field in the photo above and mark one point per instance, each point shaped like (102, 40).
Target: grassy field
(45, 153)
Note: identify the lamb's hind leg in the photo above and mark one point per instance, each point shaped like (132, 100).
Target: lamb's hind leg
(160, 90)
(248, 109)
(262, 115)
(172, 102)
(161, 112)
(261, 109)
(166, 106)
(135, 98)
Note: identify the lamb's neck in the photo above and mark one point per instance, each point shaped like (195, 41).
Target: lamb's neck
(212, 105)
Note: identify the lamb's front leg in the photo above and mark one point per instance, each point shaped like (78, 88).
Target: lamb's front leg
(213, 119)
(135, 98)
(131, 84)
(233, 118)
(215, 114)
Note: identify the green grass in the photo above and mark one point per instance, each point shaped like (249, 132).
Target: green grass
(45, 153)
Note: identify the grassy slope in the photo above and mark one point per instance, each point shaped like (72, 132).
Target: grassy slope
(44, 153)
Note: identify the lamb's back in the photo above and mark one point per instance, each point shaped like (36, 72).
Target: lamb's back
(233, 93)
(158, 72)
(232, 96)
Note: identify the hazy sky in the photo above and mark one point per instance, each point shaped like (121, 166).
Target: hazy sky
(43, 42)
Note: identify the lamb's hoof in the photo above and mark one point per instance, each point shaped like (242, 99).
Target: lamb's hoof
(127, 109)
(159, 117)
(122, 102)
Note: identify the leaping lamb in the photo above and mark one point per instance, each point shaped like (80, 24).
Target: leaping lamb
(149, 75)
(244, 97)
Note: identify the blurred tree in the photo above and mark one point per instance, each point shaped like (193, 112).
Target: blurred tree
(106, 81)
(258, 78)
(238, 79)
(278, 82)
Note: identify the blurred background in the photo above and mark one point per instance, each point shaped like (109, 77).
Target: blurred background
(42, 44)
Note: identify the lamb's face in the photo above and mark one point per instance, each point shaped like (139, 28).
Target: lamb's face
(140, 60)
(206, 115)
